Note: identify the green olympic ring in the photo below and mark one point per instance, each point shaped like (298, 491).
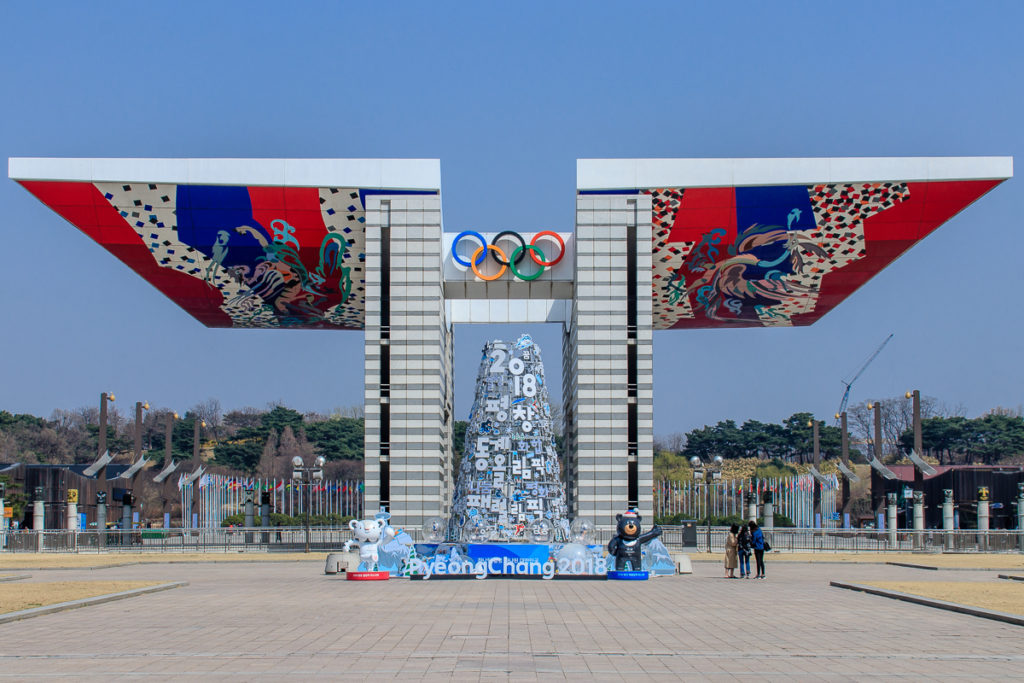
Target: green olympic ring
(512, 261)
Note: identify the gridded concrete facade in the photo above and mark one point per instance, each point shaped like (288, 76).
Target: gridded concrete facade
(408, 357)
(607, 355)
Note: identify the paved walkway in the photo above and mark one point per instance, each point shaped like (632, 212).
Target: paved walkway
(264, 621)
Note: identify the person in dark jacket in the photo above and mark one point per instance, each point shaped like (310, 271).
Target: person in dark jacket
(757, 543)
(744, 550)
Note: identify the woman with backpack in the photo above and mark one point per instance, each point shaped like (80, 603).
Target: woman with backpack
(743, 546)
(757, 542)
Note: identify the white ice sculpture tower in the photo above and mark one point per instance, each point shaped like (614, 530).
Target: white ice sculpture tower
(509, 479)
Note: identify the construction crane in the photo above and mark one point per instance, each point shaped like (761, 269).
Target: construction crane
(849, 385)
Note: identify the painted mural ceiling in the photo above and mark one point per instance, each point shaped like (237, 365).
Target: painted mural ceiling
(784, 255)
(293, 257)
(262, 257)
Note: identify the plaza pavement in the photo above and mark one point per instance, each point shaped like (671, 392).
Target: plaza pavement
(260, 621)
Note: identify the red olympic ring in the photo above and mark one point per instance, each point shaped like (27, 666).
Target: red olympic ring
(561, 247)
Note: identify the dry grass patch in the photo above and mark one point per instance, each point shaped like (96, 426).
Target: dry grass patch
(85, 561)
(1001, 596)
(18, 596)
(945, 561)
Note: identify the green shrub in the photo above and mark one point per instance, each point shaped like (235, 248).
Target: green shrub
(775, 468)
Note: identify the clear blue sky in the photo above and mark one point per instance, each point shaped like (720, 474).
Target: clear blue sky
(508, 97)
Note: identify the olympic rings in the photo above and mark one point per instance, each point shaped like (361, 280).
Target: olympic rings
(511, 261)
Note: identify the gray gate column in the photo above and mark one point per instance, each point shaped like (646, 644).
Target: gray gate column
(610, 332)
(408, 388)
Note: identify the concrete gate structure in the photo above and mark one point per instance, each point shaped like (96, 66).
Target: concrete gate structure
(359, 244)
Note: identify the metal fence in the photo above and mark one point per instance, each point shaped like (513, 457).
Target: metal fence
(221, 540)
(871, 540)
(292, 539)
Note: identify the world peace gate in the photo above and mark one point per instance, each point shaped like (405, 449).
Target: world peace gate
(658, 244)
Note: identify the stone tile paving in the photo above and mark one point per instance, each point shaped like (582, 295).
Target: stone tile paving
(271, 621)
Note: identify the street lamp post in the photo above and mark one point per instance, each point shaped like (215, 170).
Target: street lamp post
(104, 397)
(139, 407)
(306, 475)
(707, 473)
(877, 408)
(918, 445)
(815, 436)
(196, 434)
(165, 499)
(844, 457)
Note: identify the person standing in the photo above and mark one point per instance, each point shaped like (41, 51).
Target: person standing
(731, 544)
(743, 547)
(757, 542)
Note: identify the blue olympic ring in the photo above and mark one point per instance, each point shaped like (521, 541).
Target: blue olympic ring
(469, 233)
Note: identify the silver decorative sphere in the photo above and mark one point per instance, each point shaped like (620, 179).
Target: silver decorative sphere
(581, 531)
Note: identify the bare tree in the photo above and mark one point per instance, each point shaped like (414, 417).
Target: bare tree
(209, 412)
(270, 465)
(1007, 412)
(344, 469)
(348, 411)
(115, 419)
(557, 419)
(291, 445)
(673, 443)
(9, 449)
(897, 416)
(245, 417)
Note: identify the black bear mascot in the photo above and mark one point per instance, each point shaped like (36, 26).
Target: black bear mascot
(626, 544)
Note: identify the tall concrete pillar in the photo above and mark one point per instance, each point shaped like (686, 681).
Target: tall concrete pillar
(72, 519)
(918, 518)
(265, 515)
(983, 517)
(1020, 516)
(101, 518)
(609, 406)
(250, 514)
(891, 518)
(407, 350)
(126, 520)
(947, 517)
(769, 511)
(751, 506)
(38, 515)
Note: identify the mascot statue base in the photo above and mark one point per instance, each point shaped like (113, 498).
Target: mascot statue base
(627, 544)
(367, 576)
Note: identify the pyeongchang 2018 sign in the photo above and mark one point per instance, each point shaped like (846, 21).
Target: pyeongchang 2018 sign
(508, 256)
(496, 566)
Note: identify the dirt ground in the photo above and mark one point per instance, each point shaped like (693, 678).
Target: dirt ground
(1002, 596)
(944, 561)
(19, 596)
(69, 561)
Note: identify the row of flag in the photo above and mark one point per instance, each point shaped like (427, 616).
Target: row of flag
(792, 497)
(214, 497)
